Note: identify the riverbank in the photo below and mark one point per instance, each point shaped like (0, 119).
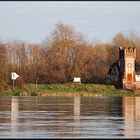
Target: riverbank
(70, 89)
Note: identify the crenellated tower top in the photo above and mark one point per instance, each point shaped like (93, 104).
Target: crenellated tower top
(130, 52)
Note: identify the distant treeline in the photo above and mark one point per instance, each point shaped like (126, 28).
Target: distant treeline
(63, 55)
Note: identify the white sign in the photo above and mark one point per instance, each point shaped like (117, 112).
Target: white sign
(77, 79)
(137, 78)
(14, 75)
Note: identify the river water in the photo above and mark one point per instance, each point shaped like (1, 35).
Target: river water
(69, 117)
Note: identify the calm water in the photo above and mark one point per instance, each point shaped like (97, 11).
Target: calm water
(69, 117)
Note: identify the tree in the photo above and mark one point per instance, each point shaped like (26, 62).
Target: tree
(66, 54)
(18, 58)
(3, 63)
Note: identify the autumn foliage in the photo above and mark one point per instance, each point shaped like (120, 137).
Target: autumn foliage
(63, 55)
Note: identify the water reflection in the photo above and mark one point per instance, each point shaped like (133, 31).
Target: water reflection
(131, 112)
(77, 106)
(14, 116)
(82, 117)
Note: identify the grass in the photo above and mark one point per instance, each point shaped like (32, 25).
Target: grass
(70, 89)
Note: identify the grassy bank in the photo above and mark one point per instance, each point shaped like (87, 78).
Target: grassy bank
(67, 90)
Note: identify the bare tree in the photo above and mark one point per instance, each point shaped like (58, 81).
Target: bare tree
(3, 63)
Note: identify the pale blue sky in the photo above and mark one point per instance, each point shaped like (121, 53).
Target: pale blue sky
(32, 21)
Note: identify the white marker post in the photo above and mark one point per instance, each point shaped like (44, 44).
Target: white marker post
(14, 76)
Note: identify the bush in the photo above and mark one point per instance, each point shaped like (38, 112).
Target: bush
(4, 87)
(16, 92)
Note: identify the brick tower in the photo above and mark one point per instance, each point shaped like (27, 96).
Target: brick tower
(129, 68)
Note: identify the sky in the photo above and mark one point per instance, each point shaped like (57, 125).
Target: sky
(34, 20)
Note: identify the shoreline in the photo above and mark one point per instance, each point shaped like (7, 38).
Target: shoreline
(69, 89)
